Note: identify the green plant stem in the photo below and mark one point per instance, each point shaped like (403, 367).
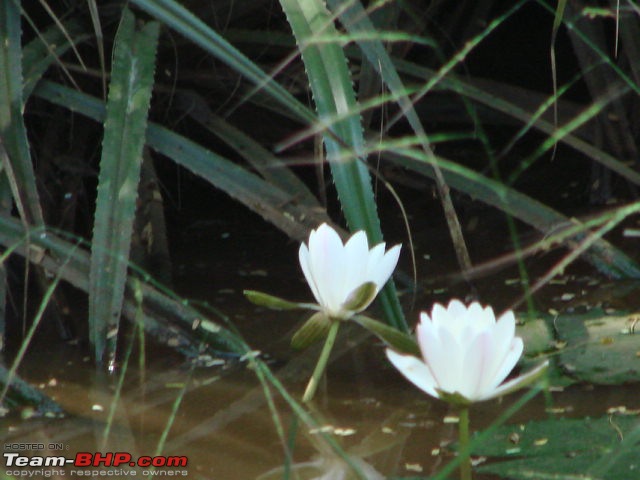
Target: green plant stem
(463, 443)
(314, 381)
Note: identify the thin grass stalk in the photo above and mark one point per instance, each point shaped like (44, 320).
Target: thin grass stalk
(46, 49)
(497, 102)
(271, 203)
(26, 342)
(628, 444)
(184, 22)
(264, 374)
(355, 19)
(603, 255)
(113, 408)
(588, 114)
(580, 247)
(571, 25)
(162, 440)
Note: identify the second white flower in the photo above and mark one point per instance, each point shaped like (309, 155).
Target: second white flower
(335, 271)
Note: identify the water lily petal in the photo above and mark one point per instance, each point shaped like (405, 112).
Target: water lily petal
(326, 253)
(440, 315)
(425, 329)
(502, 338)
(507, 364)
(518, 382)
(458, 319)
(475, 364)
(414, 370)
(356, 256)
(382, 270)
(445, 359)
(305, 264)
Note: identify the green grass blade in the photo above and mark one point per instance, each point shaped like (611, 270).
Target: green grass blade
(331, 84)
(269, 166)
(501, 103)
(280, 208)
(44, 50)
(124, 137)
(12, 129)
(604, 256)
(187, 24)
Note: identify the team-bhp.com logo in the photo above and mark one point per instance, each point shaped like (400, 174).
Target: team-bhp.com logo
(89, 460)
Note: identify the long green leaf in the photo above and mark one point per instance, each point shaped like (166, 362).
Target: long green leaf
(13, 134)
(602, 254)
(500, 102)
(224, 174)
(191, 27)
(41, 52)
(273, 204)
(331, 84)
(124, 137)
(270, 167)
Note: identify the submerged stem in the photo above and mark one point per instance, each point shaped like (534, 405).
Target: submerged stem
(314, 381)
(463, 443)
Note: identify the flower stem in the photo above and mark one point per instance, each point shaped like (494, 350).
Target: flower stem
(463, 443)
(314, 381)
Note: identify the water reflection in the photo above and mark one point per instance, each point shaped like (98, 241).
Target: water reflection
(219, 419)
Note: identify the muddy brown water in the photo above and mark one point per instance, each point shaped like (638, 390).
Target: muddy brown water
(217, 418)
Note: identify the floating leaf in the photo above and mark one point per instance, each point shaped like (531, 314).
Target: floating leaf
(600, 348)
(558, 448)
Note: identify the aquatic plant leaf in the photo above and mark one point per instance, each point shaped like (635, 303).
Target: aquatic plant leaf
(124, 136)
(271, 301)
(314, 329)
(601, 254)
(563, 449)
(13, 135)
(600, 348)
(191, 27)
(394, 338)
(276, 206)
(333, 94)
(44, 50)
(268, 165)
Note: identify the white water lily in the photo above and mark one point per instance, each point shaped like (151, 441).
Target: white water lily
(466, 353)
(336, 272)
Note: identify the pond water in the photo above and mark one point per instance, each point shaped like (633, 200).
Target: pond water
(217, 417)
